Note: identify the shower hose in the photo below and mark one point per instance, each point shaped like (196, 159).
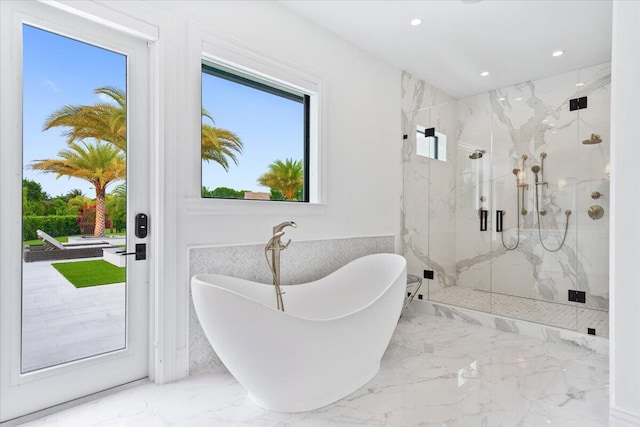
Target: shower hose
(537, 208)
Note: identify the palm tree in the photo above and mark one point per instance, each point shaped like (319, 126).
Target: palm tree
(102, 122)
(116, 203)
(76, 192)
(218, 144)
(286, 177)
(107, 121)
(99, 163)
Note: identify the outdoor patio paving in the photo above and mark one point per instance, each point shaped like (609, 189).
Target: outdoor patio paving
(62, 323)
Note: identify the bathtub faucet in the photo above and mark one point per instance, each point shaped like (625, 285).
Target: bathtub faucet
(275, 245)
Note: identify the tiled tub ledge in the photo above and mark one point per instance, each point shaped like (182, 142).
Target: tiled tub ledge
(596, 344)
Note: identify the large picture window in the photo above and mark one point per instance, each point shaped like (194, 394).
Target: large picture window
(255, 138)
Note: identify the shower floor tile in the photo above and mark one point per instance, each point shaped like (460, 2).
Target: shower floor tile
(435, 372)
(561, 316)
(548, 313)
(463, 297)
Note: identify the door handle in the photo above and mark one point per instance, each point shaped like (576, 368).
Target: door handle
(483, 219)
(499, 215)
(140, 253)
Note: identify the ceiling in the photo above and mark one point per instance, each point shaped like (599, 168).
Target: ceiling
(458, 39)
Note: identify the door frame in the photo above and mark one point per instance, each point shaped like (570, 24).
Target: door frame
(55, 16)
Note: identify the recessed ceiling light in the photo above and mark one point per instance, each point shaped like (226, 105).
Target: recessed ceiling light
(579, 84)
(416, 21)
(558, 53)
(502, 98)
(519, 98)
(484, 73)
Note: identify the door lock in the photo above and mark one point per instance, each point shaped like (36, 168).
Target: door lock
(142, 225)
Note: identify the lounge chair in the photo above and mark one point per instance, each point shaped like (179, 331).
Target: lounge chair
(54, 250)
(50, 244)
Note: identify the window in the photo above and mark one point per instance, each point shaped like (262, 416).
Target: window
(255, 137)
(430, 143)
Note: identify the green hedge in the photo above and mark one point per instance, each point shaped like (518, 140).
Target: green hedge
(54, 225)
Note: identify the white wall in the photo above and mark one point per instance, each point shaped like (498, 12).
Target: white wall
(625, 230)
(360, 142)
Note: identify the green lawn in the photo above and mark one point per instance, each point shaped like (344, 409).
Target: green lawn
(90, 273)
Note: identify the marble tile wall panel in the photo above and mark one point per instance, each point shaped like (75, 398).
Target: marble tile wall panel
(593, 175)
(530, 119)
(442, 202)
(428, 197)
(583, 262)
(525, 119)
(302, 262)
(473, 192)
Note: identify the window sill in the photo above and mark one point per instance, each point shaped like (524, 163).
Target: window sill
(251, 207)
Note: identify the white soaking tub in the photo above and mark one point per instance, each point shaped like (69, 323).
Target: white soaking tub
(328, 342)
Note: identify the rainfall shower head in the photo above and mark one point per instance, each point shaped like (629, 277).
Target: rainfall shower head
(477, 154)
(595, 139)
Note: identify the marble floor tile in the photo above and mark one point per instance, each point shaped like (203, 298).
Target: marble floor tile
(435, 372)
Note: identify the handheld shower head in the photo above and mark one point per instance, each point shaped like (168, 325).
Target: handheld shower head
(515, 171)
(535, 169)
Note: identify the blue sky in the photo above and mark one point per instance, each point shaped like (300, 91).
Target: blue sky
(60, 71)
(269, 126)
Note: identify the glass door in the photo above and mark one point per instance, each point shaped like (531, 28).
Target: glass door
(74, 281)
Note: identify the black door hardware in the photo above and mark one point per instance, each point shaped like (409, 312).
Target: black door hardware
(578, 103)
(142, 225)
(499, 215)
(483, 219)
(140, 253)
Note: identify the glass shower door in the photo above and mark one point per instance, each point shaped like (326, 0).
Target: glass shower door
(534, 184)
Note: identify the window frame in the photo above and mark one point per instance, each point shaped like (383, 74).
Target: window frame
(274, 87)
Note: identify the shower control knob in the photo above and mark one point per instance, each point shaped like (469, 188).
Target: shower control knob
(596, 212)
(596, 195)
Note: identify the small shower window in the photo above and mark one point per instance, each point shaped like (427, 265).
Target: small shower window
(431, 144)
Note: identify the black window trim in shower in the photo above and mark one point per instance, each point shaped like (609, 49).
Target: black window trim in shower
(303, 98)
(431, 132)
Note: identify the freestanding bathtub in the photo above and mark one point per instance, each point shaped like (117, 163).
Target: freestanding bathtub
(328, 342)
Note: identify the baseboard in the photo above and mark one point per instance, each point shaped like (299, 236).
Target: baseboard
(71, 404)
(621, 418)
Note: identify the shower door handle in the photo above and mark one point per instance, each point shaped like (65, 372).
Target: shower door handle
(499, 215)
(483, 219)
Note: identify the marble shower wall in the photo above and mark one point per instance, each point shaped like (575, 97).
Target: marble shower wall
(441, 200)
(428, 196)
(302, 262)
(530, 119)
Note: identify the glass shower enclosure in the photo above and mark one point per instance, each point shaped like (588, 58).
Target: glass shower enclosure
(515, 221)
